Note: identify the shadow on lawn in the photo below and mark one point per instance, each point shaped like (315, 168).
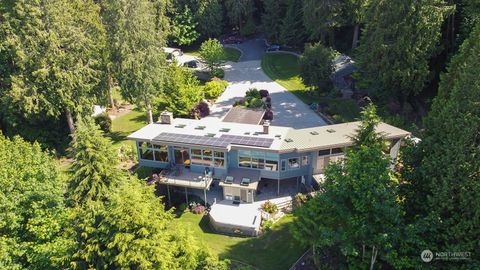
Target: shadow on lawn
(276, 249)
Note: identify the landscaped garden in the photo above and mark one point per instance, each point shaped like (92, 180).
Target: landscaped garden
(276, 249)
(284, 69)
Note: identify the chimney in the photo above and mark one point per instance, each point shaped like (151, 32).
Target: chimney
(166, 118)
(266, 125)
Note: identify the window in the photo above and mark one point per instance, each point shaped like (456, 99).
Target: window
(160, 152)
(244, 162)
(146, 151)
(293, 163)
(196, 152)
(219, 159)
(219, 154)
(304, 160)
(337, 151)
(258, 163)
(325, 152)
(284, 165)
(207, 153)
(202, 157)
(271, 165)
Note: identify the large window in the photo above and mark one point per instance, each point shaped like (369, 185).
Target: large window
(293, 163)
(258, 160)
(207, 157)
(153, 152)
(333, 151)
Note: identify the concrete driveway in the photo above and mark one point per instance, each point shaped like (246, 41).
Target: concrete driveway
(289, 111)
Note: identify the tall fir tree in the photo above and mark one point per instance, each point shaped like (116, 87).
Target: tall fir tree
(292, 29)
(52, 50)
(356, 215)
(209, 15)
(95, 167)
(272, 19)
(399, 38)
(442, 174)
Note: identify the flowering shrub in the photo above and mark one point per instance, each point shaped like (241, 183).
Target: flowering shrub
(263, 93)
(269, 207)
(198, 209)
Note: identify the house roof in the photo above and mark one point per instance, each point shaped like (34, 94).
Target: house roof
(244, 115)
(284, 139)
(343, 65)
(330, 136)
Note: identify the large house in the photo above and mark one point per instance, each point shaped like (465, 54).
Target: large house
(244, 158)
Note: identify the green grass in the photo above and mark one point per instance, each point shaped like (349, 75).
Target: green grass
(231, 54)
(274, 250)
(126, 124)
(285, 69)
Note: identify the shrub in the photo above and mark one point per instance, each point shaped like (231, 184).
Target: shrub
(268, 115)
(214, 89)
(269, 207)
(316, 67)
(300, 199)
(267, 225)
(218, 72)
(182, 207)
(201, 110)
(198, 209)
(104, 121)
(127, 152)
(253, 93)
(264, 93)
(254, 103)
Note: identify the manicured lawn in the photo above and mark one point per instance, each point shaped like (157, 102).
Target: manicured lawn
(274, 250)
(126, 124)
(284, 69)
(230, 54)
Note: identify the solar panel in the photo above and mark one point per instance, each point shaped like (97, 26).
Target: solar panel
(222, 141)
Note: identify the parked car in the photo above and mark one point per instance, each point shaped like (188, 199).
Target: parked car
(233, 39)
(273, 48)
(191, 64)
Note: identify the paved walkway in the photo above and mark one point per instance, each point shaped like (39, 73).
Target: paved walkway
(289, 111)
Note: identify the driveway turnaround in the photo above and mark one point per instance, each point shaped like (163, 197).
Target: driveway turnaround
(288, 110)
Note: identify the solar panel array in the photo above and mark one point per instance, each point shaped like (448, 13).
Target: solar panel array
(250, 141)
(222, 141)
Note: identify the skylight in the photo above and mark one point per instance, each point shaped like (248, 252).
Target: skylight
(210, 135)
(200, 127)
(288, 140)
(224, 130)
(180, 126)
(330, 130)
(314, 133)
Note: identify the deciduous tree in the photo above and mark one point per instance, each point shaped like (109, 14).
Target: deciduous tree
(316, 66)
(184, 28)
(212, 54)
(32, 210)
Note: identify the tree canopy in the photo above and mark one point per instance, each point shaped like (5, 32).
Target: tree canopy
(316, 67)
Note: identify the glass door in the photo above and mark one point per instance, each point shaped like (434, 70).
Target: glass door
(182, 156)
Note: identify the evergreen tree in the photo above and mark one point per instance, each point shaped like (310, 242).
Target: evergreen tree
(131, 230)
(32, 210)
(272, 19)
(321, 17)
(209, 15)
(238, 11)
(399, 39)
(293, 31)
(357, 10)
(138, 37)
(356, 215)
(442, 175)
(52, 51)
(95, 167)
(184, 27)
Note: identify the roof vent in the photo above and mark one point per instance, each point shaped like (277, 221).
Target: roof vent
(180, 126)
(224, 130)
(278, 136)
(210, 135)
(166, 117)
(313, 132)
(246, 133)
(288, 140)
(330, 130)
(200, 127)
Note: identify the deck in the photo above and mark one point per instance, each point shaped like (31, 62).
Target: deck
(182, 177)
